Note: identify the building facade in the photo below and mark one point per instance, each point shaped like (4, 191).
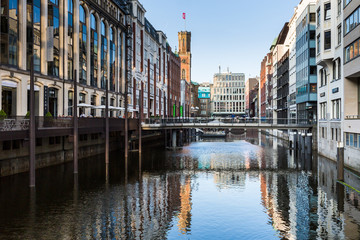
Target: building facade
(329, 50)
(185, 56)
(64, 37)
(174, 83)
(351, 43)
(249, 85)
(204, 96)
(195, 101)
(306, 74)
(228, 94)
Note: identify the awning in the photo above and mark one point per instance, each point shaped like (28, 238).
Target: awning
(110, 108)
(85, 105)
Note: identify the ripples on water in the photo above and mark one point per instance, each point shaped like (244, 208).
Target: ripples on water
(253, 189)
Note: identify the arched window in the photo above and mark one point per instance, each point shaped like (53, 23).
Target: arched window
(94, 52)
(9, 32)
(112, 59)
(53, 28)
(183, 74)
(33, 37)
(104, 52)
(82, 43)
(70, 39)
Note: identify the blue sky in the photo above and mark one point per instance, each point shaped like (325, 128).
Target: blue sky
(231, 33)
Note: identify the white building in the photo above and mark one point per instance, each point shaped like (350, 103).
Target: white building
(228, 94)
(330, 76)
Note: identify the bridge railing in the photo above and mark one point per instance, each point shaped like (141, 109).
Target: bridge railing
(264, 121)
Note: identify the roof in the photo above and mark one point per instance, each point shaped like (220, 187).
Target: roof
(282, 35)
(151, 30)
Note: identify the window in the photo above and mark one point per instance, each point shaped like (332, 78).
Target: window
(112, 59)
(334, 70)
(70, 64)
(183, 75)
(9, 32)
(336, 109)
(312, 17)
(352, 21)
(352, 51)
(312, 52)
(346, 2)
(53, 30)
(339, 35)
(327, 11)
(339, 68)
(318, 16)
(318, 44)
(104, 52)
(339, 7)
(93, 52)
(312, 34)
(327, 40)
(33, 34)
(83, 43)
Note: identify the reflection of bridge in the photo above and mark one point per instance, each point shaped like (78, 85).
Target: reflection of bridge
(226, 123)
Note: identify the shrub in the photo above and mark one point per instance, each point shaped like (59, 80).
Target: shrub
(3, 115)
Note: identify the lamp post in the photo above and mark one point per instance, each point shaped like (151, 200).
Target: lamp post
(32, 124)
(127, 75)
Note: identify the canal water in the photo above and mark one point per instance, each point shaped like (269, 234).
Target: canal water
(249, 187)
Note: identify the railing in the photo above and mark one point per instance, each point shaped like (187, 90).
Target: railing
(277, 121)
(22, 123)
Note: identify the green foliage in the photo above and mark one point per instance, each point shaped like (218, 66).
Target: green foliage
(27, 116)
(48, 115)
(3, 115)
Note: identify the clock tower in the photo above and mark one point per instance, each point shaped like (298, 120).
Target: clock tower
(185, 55)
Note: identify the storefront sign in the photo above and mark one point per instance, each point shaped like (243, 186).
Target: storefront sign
(322, 94)
(335, 90)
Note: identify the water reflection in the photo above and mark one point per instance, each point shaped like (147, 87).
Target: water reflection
(252, 187)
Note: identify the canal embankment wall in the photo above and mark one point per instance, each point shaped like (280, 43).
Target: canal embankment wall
(14, 157)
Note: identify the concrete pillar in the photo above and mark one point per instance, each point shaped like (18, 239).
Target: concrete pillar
(174, 137)
(340, 161)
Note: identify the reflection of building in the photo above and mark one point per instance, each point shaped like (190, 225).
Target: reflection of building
(185, 207)
(228, 94)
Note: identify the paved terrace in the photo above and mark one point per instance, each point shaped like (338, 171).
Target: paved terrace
(227, 123)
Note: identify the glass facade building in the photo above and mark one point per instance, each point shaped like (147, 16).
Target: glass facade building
(306, 73)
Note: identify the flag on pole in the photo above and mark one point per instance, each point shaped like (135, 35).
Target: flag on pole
(184, 16)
